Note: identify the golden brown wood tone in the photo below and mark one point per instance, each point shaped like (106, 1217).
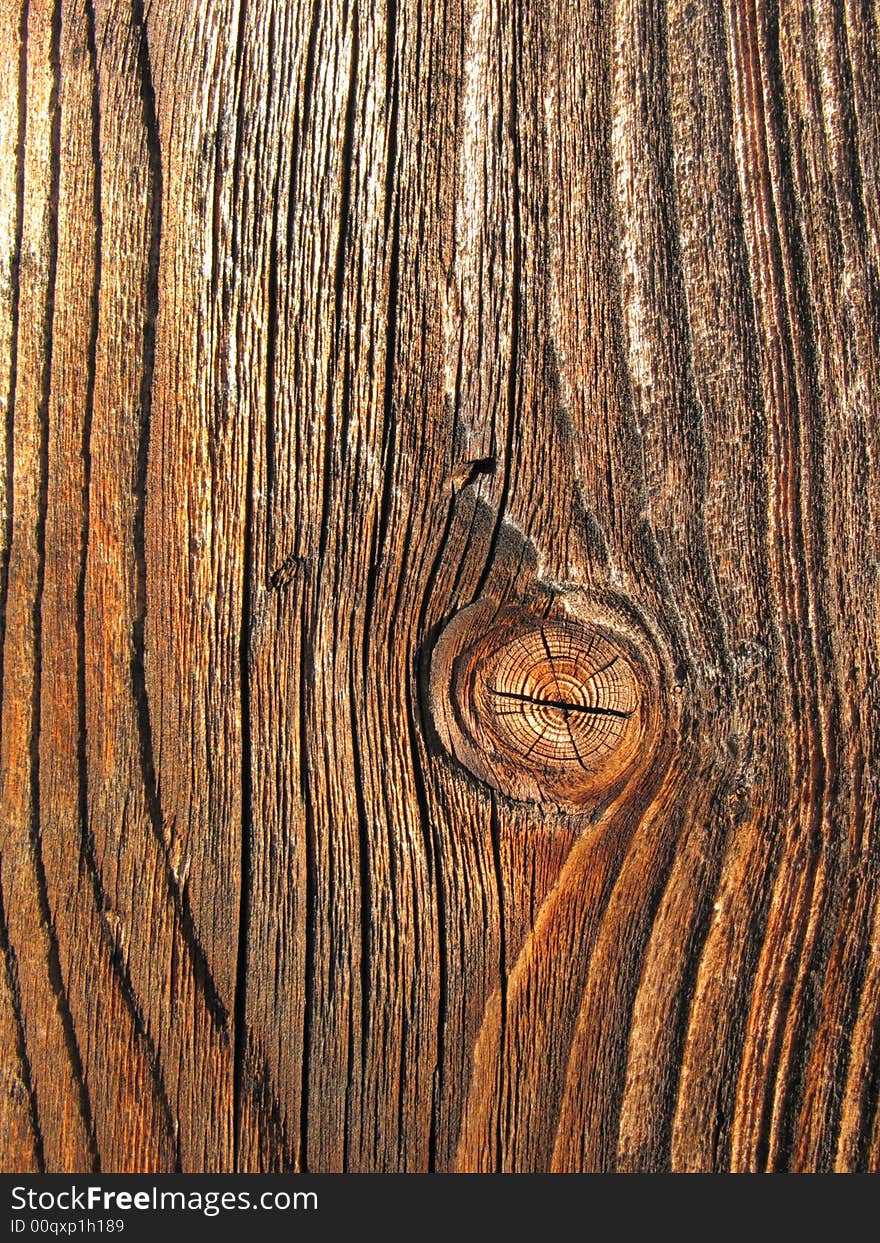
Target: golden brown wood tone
(547, 704)
(387, 388)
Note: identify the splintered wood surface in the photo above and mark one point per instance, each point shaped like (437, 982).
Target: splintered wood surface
(439, 576)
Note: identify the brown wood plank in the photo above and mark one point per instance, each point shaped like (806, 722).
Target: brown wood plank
(438, 585)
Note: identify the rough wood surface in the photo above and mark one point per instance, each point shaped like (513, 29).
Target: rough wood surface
(332, 335)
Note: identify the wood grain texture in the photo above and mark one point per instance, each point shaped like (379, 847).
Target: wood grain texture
(329, 330)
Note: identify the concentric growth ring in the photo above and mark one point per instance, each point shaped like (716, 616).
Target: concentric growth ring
(543, 708)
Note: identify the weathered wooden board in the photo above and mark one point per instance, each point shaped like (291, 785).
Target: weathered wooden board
(439, 568)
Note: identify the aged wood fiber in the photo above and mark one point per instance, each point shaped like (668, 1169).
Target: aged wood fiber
(320, 322)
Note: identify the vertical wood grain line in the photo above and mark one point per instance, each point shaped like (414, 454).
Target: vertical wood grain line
(244, 654)
(88, 416)
(54, 967)
(9, 438)
(148, 360)
(201, 967)
(517, 310)
(11, 971)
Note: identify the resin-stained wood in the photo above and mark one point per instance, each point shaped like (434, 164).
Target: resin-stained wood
(439, 569)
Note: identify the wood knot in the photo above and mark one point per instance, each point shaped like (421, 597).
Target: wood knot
(558, 708)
